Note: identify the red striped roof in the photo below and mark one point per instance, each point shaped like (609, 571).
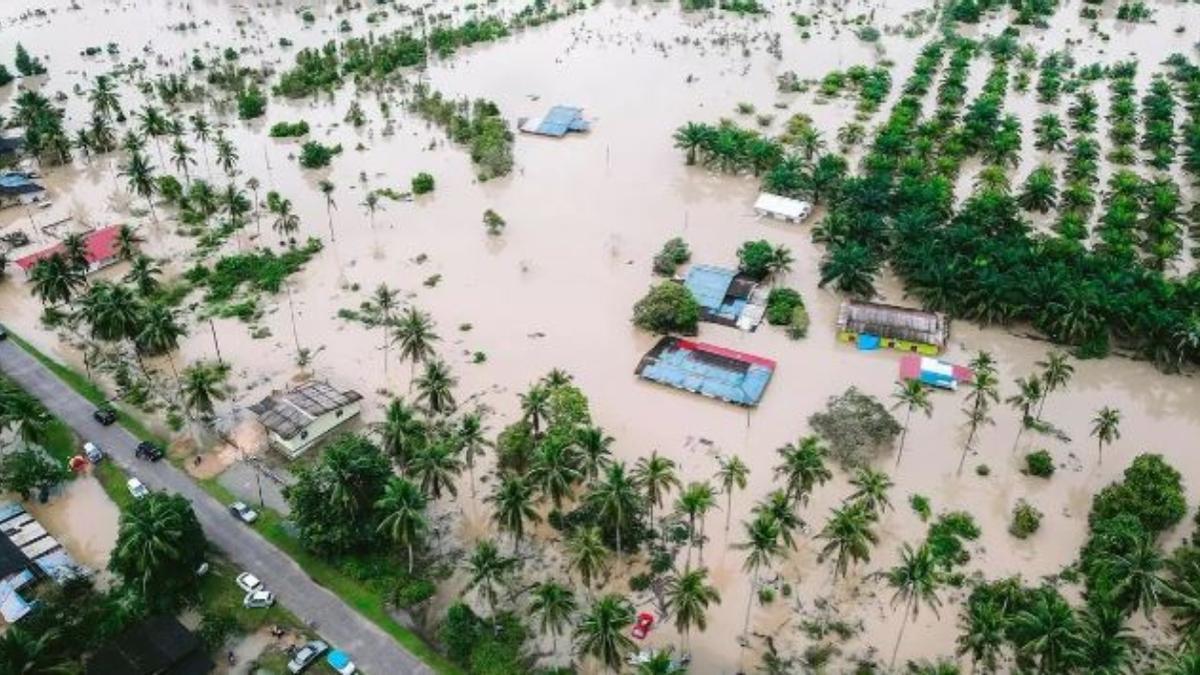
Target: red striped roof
(101, 245)
(727, 353)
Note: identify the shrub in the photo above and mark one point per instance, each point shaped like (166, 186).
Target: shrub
(920, 506)
(798, 327)
(983, 470)
(673, 254)
(667, 308)
(216, 628)
(314, 155)
(754, 258)
(28, 65)
(289, 129)
(1026, 520)
(5, 76)
(1039, 464)
(412, 592)
(493, 222)
(1152, 491)
(640, 582)
(780, 305)
(251, 102)
(857, 426)
(422, 183)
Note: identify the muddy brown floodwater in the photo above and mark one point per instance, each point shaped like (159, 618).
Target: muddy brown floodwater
(585, 215)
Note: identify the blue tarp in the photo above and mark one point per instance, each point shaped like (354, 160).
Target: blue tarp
(868, 342)
(709, 285)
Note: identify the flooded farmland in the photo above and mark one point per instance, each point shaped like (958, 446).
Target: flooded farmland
(585, 215)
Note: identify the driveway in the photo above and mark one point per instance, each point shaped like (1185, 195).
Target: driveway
(373, 650)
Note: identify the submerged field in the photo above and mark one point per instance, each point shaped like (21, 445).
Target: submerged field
(584, 217)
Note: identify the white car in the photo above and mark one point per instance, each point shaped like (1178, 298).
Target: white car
(243, 513)
(306, 655)
(249, 583)
(260, 599)
(136, 488)
(93, 452)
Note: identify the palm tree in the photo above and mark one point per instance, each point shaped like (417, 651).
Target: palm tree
(851, 269)
(912, 395)
(586, 554)
(252, 185)
(780, 262)
(415, 335)
(594, 450)
(160, 332)
(152, 123)
(435, 387)
(128, 242)
(849, 536)
(326, 187)
(371, 204)
(1048, 631)
(472, 441)
(732, 474)
(181, 157)
(554, 471)
(688, 597)
(22, 653)
(227, 155)
(655, 476)
(103, 97)
(1104, 646)
(436, 466)
(403, 518)
(113, 313)
(762, 547)
(1039, 192)
(661, 662)
(488, 571)
(695, 501)
(872, 488)
(1029, 393)
(1056, 373)
(535, 406)
(286, 221)
(24, 414)
(1182, 597)
(615, 499)
(55, 280)
(402, 432)
(203, 385)
(916, 580)
(552, 607)
(602, 633)
(984, 392)
(202, 131)
(1106, 429)
(142, 272)
(692, 137)
(781, 507)
(803, 468)
(383, 306)
(1137, 571)
(234, 201)
(139, 174)
(512, 500)
(983, 634)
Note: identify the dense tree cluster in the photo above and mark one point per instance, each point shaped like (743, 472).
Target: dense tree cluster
(476, 124)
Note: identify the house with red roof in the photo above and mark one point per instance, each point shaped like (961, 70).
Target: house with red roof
(101, 250)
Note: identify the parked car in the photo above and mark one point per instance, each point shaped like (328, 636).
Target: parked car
(243, 513)
(645, 620)
(260, 599)
(136, 488)
(93, 452)
(340, 662)
(248, 582)
(306, 656)
(105, 415)
(149, 451)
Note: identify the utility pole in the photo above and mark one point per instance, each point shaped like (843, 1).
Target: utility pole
(216, 344)
(292, 310)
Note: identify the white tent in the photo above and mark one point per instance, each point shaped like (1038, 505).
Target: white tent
(784, 208)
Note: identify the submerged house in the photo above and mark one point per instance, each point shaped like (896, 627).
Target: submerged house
(727, 297)
(28, 553)
(782, 208)
(712, 371)
(556, 123)
(934, 373)
(100, 250)
(872, 325)
(300, 418)
(18, 188)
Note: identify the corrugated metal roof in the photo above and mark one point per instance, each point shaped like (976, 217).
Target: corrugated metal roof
(289, 413)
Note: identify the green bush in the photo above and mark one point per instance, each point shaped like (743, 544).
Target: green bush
(1026, 520)
(289, 129)
(946, 537)
(920, 506)
(251, 102)
(798, 327)
(412, 592)
(422, 183)
(1039, 464)
(755, 257)
(667, 308)
(781, 303)
(216, 628)
(314, 155)
(673, 254)
(1152, 491)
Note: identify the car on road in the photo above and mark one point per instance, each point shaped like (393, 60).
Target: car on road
(93, 452)
(137, 488)
(249, 583)
(149, 451)
(340, 662)
(243, 513)
(104, 415)
(306, 656)
(260, 599)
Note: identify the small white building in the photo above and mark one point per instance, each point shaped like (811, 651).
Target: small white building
(783, 208)
(299, 418)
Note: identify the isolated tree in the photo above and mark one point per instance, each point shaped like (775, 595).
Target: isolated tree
(435, 387)
(488, 571)
(782, 509)
(139, 175)
(603, 632)
(471, 436)
(802, 468)
(732, 475)
(403, 519)
(688, 596)
(1056, 373)
(655, 476)
(415, 336)
(911, 395)
(871, 488)
(203, 385)
(552, 607)
(762, 547)
(512, 506)
(326, 187)
(916, 580)
(1106, 428)
(849, 536)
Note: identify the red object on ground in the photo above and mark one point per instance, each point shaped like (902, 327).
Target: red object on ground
(727, 353)
(78, 463)
(642, 628)
(101, 246)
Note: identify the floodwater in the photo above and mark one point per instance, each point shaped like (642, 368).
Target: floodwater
(83, 519)
(585, 215)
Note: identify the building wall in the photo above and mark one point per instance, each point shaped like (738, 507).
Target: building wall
(316, 431)
(893, 343)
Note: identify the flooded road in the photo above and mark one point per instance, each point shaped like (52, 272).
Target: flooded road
(585, 216)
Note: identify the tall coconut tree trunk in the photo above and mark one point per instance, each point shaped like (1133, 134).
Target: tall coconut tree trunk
(900, 636)
(904, 435)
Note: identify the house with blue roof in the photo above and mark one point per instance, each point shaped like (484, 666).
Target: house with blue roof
(556, 123)
(726, 297)
(18, 188)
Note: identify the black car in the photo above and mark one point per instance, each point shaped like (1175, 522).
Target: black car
(148, 450)
(105, 416)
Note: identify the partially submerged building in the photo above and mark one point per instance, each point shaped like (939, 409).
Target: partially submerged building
(556, 123)
(159, 645)
(934, 373)
(299, 418)
(17, 188)
(100, 250)
(727, 297)
(782, 208)
(712, 371)
(28, 553)
(872, 325)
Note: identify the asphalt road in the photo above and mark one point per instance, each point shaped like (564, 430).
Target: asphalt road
(372, 650)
